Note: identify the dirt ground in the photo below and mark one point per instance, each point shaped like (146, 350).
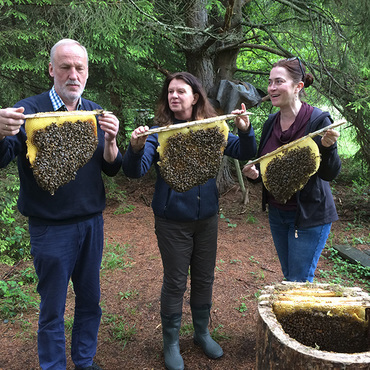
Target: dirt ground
(246, 262)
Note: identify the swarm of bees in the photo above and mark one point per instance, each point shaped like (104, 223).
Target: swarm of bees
(327, 332)
(284, 175)
(60, 151)
(192, 157)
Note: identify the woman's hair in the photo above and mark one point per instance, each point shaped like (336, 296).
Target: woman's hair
(202, 109)
(297, 71)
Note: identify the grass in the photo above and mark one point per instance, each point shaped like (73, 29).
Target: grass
(116, 256)
(121, 330)
(345, 273)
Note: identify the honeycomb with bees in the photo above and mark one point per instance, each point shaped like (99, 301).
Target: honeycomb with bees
(191, 156)
(327, 317)
(58, 147)
(325, 330)
(288, 171)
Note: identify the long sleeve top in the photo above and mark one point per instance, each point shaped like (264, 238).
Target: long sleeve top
(201, 201)
(81, 198)
(315, 203)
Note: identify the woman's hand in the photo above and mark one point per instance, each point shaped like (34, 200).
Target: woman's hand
(330, 137)
(250, 171)
(241, 122)
(137, 143)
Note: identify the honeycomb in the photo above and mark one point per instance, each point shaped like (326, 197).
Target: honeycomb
(285, 173)
(317, 329)
(56, 150)
(191, 156)
(326, 317)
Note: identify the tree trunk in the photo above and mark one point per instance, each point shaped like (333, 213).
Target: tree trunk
(211, 60)
(276, 350)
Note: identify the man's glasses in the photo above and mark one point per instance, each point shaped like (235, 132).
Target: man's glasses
(300, 65)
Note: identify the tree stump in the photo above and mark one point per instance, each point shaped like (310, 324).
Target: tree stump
(276, 350)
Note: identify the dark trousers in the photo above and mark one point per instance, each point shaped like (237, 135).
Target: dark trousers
(62, 253)
(182, 245)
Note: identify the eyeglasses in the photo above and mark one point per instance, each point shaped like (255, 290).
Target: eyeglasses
(300, 65)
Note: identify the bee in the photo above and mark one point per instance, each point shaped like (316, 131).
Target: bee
(285, 174)
(317, 329)
(193, 158)
(61, 151)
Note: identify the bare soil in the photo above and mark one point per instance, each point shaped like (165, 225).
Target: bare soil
(246, 262)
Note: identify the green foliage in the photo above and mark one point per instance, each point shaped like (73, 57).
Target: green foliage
(128, 294)
(242, 308)
(114, 192)
(132, 45)
(218, 335)
(121, 330)
(116, 257)
(29, 276)
(229, 224)
(186, 329)
(15, 298)
(14, 237)
(345, 273)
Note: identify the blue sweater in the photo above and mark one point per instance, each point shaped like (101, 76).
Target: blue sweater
(198, 203)
(80, 198)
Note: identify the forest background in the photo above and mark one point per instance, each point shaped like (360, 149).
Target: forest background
(132, 46)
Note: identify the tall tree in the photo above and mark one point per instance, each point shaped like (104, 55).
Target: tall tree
(230, 38)
(133, 43)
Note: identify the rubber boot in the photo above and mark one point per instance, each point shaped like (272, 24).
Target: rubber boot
(171, 347)
(202, 336)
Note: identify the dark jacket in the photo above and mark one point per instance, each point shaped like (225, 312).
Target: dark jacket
(315, 203)
(198, 203)
(80, 198)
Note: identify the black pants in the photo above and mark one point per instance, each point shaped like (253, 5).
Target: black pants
(184, 244)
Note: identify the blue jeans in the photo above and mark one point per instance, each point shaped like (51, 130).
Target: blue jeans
(61, 253)
(299, 249)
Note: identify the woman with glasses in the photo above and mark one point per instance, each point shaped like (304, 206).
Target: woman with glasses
(301, 226)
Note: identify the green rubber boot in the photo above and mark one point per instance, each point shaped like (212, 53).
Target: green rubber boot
(202, 336)
(171, 347)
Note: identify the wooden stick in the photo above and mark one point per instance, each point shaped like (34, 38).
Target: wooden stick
(192, 123)
(286, 146)
(66, 113)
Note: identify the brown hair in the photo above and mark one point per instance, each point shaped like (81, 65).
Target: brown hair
(297, 71)
(202, 109)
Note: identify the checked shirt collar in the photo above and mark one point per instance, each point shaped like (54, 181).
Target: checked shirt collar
(58, 102)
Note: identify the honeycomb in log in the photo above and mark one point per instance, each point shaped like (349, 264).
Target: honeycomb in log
(57, 150)
(326, 330)
(191, 156)
(285, 173)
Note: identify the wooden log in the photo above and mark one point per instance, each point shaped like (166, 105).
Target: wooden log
(276, 350)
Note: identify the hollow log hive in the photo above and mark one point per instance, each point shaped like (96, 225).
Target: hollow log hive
(312, 326)
(191, 156)
(58, 146)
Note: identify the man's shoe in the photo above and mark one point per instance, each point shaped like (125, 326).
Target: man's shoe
(94, 366)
